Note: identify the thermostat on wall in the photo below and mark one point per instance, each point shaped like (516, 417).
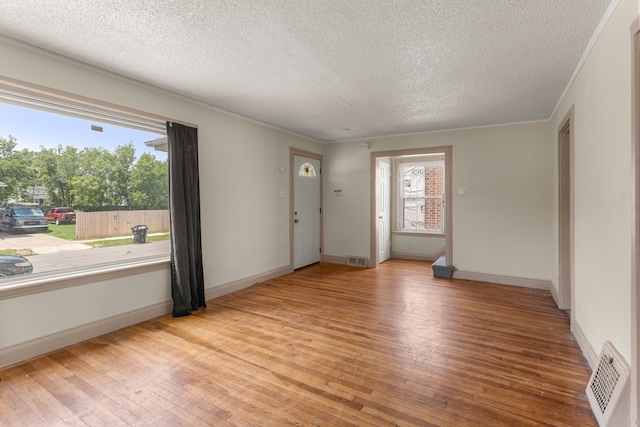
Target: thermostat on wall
(337, 192)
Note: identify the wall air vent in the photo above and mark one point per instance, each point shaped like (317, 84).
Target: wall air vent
(608, 390)
(357, 261)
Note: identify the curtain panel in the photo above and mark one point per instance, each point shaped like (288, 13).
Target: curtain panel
(187, 281)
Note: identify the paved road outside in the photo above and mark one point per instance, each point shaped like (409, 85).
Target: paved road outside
(38, 243)
(63, 259)
(48, 253)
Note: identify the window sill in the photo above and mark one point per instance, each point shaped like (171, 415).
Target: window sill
(46, 282)
(417, 234)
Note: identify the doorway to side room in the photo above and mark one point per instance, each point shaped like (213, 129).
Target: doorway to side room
(382, 202)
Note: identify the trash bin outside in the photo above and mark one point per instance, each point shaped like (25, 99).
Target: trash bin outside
(139, 233)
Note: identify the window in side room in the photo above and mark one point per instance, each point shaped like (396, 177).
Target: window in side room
(420, 204)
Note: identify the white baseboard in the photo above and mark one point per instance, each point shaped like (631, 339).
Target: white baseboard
(523, 282)
(227, 288)
(331, 259)
(418, 257)
(30, 349)
(49, 343)
(554, 295)
(587, 349)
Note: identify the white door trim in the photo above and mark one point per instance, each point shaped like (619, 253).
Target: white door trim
(566, 214)
(635, 228)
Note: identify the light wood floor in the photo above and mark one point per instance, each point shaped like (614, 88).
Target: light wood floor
(327, 345)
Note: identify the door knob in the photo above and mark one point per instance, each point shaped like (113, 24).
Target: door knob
(295, 220)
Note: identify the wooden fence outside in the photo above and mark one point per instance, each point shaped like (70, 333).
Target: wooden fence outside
(93, 225)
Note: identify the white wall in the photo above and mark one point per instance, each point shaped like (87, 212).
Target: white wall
(601, 94)
(346, 217)
(34, 316)
(245, 227)
(421, 246)
(501, 228)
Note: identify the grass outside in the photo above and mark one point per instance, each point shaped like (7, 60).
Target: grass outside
(63, 231)
(124, 241)
(68, 232)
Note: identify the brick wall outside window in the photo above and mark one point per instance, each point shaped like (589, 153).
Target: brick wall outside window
(433, 197)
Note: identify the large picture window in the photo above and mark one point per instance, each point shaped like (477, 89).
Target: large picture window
(95, 185)
(421, 197)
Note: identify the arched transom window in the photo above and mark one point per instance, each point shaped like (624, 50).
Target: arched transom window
(307, 170)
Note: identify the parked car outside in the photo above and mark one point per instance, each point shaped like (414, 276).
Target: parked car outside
(14, 266)
(24, 218)
(61, 216)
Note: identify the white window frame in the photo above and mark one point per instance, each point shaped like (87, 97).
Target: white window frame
(399, 199)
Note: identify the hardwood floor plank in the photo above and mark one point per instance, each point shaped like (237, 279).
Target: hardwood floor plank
(39, 401)
(120, 379)
(241, 370)
(327, 345)
(53, 378)
(15, 411)
(97, 386)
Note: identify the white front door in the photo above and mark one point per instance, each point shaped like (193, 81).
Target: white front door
(384, 209)
(306, 211)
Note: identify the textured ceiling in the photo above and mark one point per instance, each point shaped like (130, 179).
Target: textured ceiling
(330, 69)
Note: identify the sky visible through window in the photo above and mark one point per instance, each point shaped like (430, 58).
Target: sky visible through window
(33, 129)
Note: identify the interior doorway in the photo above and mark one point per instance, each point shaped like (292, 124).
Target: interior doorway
(376, 229)
(566, 214)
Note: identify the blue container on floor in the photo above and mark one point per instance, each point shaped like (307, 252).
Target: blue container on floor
(440, 269)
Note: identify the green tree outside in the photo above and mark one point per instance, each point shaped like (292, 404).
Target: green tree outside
(55, 169)
(92, 176)
(149, 183)
(16, 171)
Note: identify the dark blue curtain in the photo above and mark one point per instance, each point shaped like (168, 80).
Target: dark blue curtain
(187, 281)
